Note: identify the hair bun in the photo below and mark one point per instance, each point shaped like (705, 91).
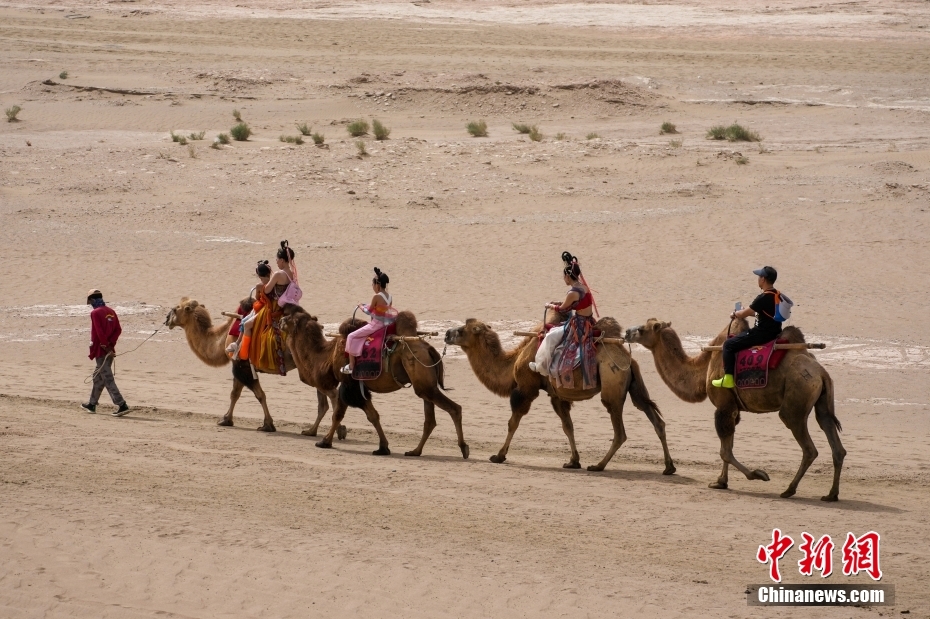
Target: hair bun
(377, 271)
(567, 258)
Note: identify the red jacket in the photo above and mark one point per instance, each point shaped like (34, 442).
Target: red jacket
(104, 331)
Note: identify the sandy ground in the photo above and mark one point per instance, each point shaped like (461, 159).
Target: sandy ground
(163, 514)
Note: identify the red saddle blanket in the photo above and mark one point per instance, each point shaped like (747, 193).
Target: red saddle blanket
(753, 364)
(369, 364)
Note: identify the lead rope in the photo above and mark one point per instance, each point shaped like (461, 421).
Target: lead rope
(611, 357)
(113, 365)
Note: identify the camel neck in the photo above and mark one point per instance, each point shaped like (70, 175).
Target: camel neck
(686, 376)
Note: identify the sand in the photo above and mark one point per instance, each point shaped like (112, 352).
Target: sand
(161, 513)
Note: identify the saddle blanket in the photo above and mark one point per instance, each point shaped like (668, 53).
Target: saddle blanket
(753, 364)
(369, 364)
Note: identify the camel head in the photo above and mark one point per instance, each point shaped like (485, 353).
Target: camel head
(471, 335)
(295, 317)
(185, 313)
(648, 334)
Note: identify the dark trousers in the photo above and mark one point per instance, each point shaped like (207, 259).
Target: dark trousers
(103, 377)
(744, 340)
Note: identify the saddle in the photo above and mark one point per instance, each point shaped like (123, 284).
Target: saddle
(753, 364)
(369, 364)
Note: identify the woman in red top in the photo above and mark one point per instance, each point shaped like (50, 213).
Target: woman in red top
(579, 303)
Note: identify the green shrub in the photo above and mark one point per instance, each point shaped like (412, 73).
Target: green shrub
(223, 138)
(197, 136)
(292, 139)
(741, 160)
(240, 132)
(63, 75)
(360, 145)
(357, 128)
(237, 115)
(11, 113)
(592, 136)
(738, 133)
(733, 133)
(675, 143)
(521, 128)
(304, 128)
(175, 137)
(560, 136)
(318, 138)
(667, 127)
(477, 129)
(191, 151)
(381, 132)
(535, 134)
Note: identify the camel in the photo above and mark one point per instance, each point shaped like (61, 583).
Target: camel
(507, 374)
(413, 363)
(208, 341)
(797, 385)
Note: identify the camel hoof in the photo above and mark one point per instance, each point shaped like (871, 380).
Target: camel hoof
(324, 445)
(381, 451)
(498, 459)
(760, 474)
(830, 498)
(718, 485)
(465, 451)
(226, 423)
(595, 467)
(267, 428)
(308, 432)
(572, 465)
(669, 470)
(341, 432)
(412, 454)
(787, 494)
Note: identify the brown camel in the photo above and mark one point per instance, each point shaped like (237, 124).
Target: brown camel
(413, 363)
(208, 342)
(507, 374)
(797, 385)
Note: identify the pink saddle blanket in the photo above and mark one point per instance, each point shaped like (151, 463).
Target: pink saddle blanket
(369, 364)
(753, 364)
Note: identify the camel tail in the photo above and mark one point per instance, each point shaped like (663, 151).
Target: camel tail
(436, 358)
(639, 394)
(825, 408)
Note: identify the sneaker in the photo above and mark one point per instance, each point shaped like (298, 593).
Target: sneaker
(346, 369)
(122, 410)
(90, 408)
(533, 366)
(232, 349)
(726, 382)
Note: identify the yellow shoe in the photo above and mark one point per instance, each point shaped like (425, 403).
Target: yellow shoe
(726, 382)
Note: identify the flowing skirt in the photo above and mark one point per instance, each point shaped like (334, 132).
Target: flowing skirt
(356, 339)
(547, 349)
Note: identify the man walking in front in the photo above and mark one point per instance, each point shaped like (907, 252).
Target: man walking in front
(104, 332)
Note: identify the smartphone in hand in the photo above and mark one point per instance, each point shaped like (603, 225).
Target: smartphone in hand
(739, 306)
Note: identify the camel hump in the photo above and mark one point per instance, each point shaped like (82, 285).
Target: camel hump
(793, 335)
(350, 325)
(609, 327)
(406, 323)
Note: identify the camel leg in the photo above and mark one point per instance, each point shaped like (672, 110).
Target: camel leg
(268, 422)
(828, 422)
(564, 410)
(227, 419)
(725, 421)
(616, 419)
(641, 400)
(323, 401)
(375, 420)
(436, 398)
(429, 423)
(797, 423)
(519, 406)
(339, 412)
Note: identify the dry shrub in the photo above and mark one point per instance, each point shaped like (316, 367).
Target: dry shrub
(477, 129)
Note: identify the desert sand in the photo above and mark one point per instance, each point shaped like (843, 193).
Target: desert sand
(163, 514)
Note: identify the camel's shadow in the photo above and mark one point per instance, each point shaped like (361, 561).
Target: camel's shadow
(814, 501)
(618, 474)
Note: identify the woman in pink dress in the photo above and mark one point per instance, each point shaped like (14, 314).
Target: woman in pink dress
(382, 314)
